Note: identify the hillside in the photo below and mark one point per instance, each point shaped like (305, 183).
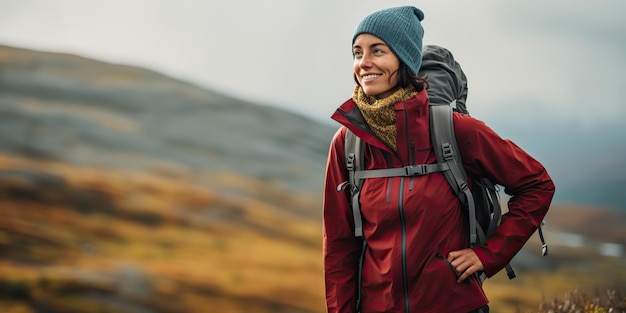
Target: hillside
(124, 190)
(79, 239)
(86, 112)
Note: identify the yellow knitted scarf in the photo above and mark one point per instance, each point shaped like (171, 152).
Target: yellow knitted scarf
(380, 114)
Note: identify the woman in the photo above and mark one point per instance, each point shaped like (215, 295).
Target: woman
(416, 258)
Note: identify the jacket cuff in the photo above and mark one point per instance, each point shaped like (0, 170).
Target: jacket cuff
(487, 259)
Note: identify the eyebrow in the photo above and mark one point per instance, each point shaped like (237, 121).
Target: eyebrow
(371, 46)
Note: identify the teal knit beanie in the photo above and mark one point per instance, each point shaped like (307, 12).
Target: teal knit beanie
(400, 29)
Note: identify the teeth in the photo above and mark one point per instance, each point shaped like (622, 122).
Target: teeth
(372, 76)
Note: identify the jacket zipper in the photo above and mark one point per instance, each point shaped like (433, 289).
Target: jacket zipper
(403, 224)
(401, 209)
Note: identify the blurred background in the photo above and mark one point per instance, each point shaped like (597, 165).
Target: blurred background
(169, 156)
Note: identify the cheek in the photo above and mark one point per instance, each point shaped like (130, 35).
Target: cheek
(356, 70)
(356, 66)
(393, 69)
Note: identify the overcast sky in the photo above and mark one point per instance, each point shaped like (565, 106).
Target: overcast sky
(559, 58)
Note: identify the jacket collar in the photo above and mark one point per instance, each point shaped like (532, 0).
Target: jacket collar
(349, 115)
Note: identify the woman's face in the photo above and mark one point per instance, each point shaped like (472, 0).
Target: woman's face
(375, 66)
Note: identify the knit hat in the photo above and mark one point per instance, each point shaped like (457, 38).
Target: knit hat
(400, 29)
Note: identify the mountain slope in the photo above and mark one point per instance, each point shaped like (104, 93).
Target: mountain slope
(82, 111)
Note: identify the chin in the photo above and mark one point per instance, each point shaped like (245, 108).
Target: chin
(372, 92)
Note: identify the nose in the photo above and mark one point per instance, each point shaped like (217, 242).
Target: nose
(365, 62)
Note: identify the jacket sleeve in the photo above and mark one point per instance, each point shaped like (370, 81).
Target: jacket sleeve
(341, 249)
(531, 189)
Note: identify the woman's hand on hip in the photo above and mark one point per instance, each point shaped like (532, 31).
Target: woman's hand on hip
(465, 262)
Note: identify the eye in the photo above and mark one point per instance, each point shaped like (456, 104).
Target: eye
(357, 54)
(378, 51)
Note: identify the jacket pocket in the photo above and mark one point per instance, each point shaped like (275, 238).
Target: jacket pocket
(448, 264)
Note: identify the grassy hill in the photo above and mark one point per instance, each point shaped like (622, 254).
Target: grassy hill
(81, 111)
(79, 239)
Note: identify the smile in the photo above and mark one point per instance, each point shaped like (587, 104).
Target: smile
(371, 76)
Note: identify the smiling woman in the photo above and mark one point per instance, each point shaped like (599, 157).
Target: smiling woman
(414, 230)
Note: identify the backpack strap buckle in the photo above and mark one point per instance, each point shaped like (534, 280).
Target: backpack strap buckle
(448, 153)
(413, 170)
(350, 162)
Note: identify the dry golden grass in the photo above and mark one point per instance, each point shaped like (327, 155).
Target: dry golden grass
(185, 247)
(532, 288)
(605, 301)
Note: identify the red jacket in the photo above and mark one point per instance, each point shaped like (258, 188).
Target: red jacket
(411, 223)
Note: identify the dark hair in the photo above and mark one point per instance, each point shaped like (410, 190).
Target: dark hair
(406, 79)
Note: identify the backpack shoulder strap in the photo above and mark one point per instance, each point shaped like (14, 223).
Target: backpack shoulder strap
(446, 150)
(354, 147)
